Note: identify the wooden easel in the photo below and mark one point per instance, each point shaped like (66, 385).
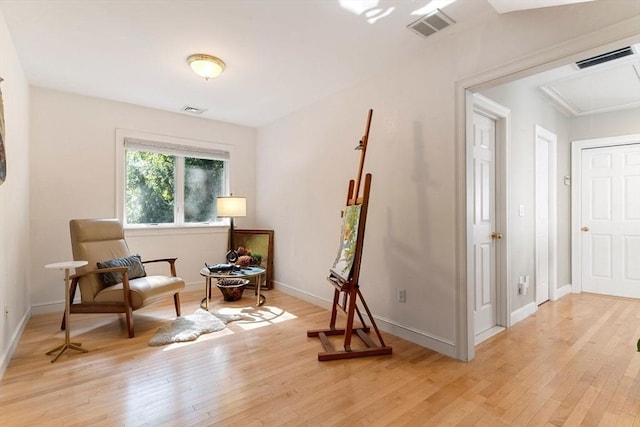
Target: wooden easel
(347, 292)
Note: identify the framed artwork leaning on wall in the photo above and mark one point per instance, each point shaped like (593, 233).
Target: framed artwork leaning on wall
(258, 246)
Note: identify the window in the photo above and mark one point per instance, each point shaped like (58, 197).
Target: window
(170, 182)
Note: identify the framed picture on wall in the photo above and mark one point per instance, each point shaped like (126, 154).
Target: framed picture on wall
(258, 244)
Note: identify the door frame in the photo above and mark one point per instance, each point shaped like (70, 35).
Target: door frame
(552, 140)
(592, 43)
(576, 197)
(502, 117)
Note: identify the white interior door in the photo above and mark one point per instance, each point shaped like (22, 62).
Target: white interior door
(484, 250)
(610, 214)
(545, 209)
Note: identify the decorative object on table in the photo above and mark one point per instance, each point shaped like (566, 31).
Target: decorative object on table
(102, 241)
(189, 328)
(345, 273)
(231, 207)
(247, 258)
(232, 289)
(3, 155)
(221, 268)
(255, 249)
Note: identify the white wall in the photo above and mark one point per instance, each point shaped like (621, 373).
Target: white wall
(305, 161)
(73, 176)
(14, 201)
(614, 123)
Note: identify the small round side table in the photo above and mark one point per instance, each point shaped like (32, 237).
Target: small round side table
(68, 345)
(242, 273)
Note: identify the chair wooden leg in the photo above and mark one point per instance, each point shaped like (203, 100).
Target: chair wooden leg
(63, 324)
(176, 301)
(129, 315)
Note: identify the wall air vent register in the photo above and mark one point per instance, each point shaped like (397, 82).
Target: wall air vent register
(431, 23)
(605, 57)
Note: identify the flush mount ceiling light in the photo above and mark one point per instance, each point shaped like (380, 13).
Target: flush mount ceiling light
(206, 66)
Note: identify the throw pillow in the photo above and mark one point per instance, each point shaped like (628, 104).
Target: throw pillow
(134, 262)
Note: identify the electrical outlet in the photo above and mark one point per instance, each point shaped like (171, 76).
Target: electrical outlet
(523, 284)
(402, 295)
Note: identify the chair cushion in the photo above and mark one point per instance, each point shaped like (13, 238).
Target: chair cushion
(143, 290)
(134, 262)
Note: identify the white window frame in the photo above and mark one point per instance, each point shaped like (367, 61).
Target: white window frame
(170, 145)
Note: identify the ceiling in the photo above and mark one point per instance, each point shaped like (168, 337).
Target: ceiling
(280, 55)
(506, 6)
(602, 88)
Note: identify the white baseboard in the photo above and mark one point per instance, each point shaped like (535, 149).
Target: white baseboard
(194, 285)
(305, 296)
(532, 307)
(7, 353)
(48, 307)
(523, 313)
(425, 339)
(58, 306)
(562, 291)
(483, 336)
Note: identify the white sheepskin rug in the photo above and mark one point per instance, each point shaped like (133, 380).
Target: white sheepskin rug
(189, 328)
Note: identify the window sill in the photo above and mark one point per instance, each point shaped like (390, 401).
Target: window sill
(172, 230)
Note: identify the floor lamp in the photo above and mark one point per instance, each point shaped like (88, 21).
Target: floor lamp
(231, 207)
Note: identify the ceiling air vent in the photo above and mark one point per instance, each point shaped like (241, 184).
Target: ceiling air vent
(193, 110)
(605, 57)
(431, 23)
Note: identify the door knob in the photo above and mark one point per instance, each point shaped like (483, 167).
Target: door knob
(585, 228)
(496, 235)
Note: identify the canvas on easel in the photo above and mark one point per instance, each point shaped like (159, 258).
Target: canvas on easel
(348, 239)
(345, 273)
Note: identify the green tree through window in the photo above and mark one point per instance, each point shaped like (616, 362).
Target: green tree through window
(152, 182)
(203, 182)
(150, 188)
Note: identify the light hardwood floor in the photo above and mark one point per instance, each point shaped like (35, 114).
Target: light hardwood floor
(573, 363)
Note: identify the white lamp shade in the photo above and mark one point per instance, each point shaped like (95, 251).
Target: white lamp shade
(231, 207)
(206, 66)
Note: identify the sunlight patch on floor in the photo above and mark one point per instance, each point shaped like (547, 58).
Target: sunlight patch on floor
(257, 317)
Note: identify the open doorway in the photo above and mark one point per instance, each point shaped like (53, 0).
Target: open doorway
(531, 109)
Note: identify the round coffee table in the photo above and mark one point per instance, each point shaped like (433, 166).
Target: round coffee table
(241, 273)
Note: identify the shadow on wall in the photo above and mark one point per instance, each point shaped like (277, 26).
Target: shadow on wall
(412, 265)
